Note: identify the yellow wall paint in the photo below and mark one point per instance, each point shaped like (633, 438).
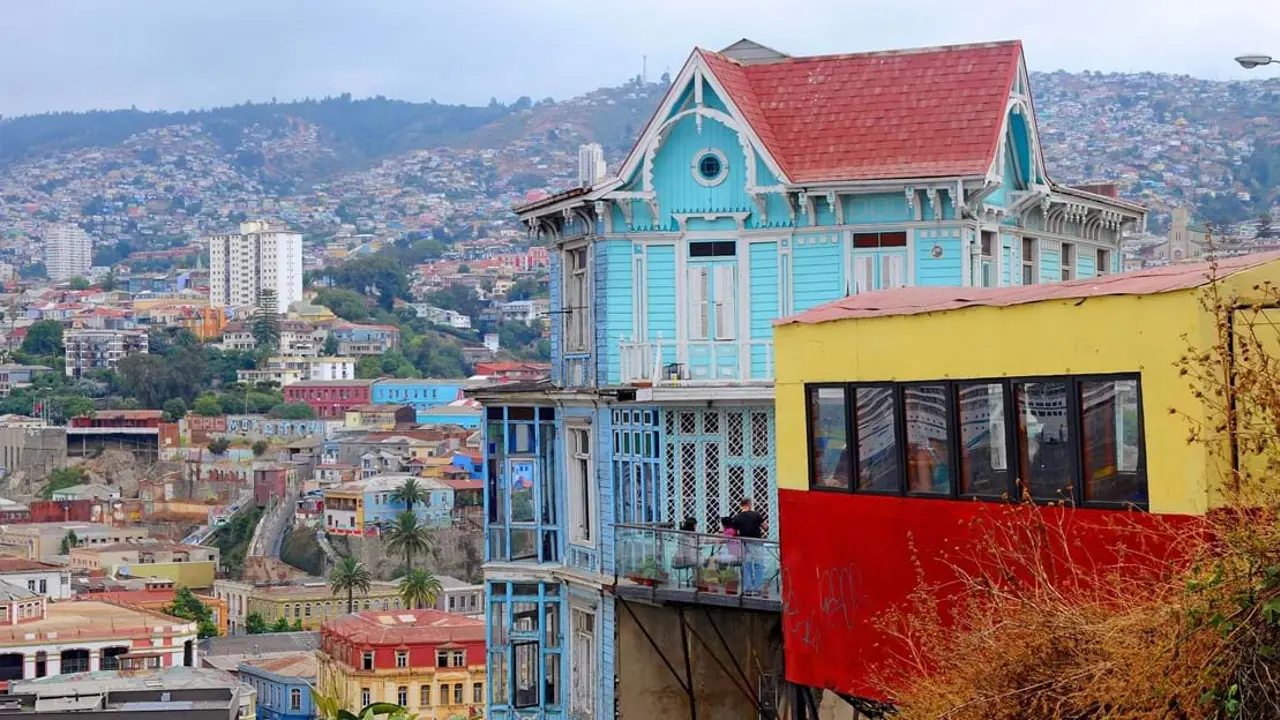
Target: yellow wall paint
(1108, 334)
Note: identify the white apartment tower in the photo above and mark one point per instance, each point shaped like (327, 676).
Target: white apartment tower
(261, 256)
(68, 252)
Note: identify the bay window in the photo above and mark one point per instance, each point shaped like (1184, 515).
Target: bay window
(577, 324)
(1070, 439)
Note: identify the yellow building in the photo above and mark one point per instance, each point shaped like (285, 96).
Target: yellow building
(314, 602)
(193, 566)
(430, 662)
(915, 416)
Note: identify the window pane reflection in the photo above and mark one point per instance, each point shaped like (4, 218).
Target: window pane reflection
(928, 446)
(1044, 439)
(829, 454)
(984, 457)
(1111, 441)
(877, 440)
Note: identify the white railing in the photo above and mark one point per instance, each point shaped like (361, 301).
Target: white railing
(671, 362)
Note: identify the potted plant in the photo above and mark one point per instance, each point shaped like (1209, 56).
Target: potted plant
(729, 578)
(708, 580)
(651, 573)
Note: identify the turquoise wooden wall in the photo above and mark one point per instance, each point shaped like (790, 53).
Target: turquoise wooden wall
(1050, 266)
(614, 317)
(660, 279)
(1086, 263)
(764, 300)
(946, 270)
(818, 274)
(673, 169)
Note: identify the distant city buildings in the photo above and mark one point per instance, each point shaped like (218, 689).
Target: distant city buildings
(260, 257)
(68, 252)
(88, 350)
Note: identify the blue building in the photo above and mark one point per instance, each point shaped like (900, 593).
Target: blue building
(764, 185)
(283, 683)
(424, 395)
(351, 508)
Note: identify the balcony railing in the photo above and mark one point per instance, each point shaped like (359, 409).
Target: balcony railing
(671, 362)
(677, 566)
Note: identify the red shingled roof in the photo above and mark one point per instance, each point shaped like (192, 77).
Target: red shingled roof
(405, 627)
(920, 300)
(929, 112)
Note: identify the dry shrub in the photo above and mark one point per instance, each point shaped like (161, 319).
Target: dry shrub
(1032, 628)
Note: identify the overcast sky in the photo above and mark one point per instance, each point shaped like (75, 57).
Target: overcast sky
(179, 54)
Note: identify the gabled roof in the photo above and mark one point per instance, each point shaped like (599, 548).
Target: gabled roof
(899, 114)
(921, 300)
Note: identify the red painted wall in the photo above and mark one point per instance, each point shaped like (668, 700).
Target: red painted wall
(62, 510)
(849, 558)
(332, 400)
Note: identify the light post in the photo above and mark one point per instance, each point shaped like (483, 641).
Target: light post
(1249, 62)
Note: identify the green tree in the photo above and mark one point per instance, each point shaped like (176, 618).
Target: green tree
(408, 536)
(331, 345)
(410, 493)
(257, 401)
(109, 283)
(73, 406)
(61, 479)
(281, 625)
(70, 540)
(44, 339)
(260, 448)
(419, 589)
(255, 624)
(292, 411)
(369, 368)
(188, 607)
(78, 283)
(346, 304)
(219, 445)
(174, 409)
(265, 323)
(380, 274)
(297, 625)
(207, 405)
(349, 576)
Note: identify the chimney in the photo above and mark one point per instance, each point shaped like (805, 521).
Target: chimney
(591, 164)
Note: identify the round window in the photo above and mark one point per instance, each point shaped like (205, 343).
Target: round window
(709, 167)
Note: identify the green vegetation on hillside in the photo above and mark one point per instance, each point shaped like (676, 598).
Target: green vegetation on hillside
(232, 539)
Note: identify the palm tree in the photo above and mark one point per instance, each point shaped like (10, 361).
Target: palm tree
(409, 536)
(409, 493)
(419, 589)
(348, 576)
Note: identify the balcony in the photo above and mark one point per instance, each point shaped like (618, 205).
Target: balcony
(661, 362)
(658, 564)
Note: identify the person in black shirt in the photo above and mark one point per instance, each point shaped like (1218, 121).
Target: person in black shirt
(750, 524)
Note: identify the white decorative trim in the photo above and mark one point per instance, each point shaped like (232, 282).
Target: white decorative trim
(697, 167)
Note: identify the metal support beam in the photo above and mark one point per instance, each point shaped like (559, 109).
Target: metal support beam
(687, 688)
(688, 666)
(745, 686)
(741, 673)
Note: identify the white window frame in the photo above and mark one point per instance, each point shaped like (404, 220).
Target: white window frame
(1102, 262)
(582, 530)
(724, 306)
(697, 167)
(582, 685)
(1067, 261)
(1033, 262)
(577, 311)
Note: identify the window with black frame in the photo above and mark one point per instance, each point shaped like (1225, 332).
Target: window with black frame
(1072, 439)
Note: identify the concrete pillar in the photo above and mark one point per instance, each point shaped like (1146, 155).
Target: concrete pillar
(28, 666)
(95, 660)
(53, 666)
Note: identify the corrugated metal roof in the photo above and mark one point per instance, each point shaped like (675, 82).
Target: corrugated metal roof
(918, 300)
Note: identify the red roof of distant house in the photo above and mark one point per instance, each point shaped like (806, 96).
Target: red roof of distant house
(920, 300)
(9, 564)
(921, 113)
(128, 415)
(462, 484)
(403, 627)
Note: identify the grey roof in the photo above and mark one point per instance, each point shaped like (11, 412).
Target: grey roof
(250, 645)
(449, 582)
(10, 592)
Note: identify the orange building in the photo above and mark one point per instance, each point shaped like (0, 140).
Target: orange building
(158, 595)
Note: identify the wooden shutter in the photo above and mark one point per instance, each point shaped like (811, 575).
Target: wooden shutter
(726, 302)
(697, 310)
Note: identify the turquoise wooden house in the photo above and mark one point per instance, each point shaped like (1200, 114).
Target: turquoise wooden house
(763, 185)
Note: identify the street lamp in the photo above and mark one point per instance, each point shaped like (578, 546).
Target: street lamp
(1249, 62)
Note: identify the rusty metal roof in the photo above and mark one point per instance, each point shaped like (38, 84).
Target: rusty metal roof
(918, 300)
